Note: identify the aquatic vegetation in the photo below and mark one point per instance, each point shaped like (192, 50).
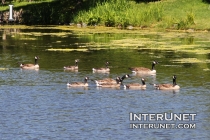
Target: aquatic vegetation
(4, 69)
(99, 38)
(66, 50)
(143, 40)
(190, 60)
(206, 69)
(27, 39)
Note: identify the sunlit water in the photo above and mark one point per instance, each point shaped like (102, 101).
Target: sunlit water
(38, 104)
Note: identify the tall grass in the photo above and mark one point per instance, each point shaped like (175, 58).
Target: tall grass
(121, 13)
(187, 22)
(186, 14)
(173, 14)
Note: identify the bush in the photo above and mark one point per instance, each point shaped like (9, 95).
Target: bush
(121, 12)
(186, 23)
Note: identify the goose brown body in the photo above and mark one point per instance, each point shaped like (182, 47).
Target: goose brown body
(144, 70)
(31, 66)
(106, 69)
(79, 84)
(112, 81)
(173, 86)
(136, 85)
(117, 83)
(108, 85)
(106, 80)
(167, 86)
(75, 67)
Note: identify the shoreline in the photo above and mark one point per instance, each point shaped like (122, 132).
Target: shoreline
(100, 29)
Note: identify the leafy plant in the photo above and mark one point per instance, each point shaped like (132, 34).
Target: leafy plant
(187, 22)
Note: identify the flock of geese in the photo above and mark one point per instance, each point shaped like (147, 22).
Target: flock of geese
(109, 82)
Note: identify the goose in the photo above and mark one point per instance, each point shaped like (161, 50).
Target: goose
(136, 85)
(75, 67)
(144, 70)
(31, 66)
(109, 85)
(113, 81)
(173, 86)
(79, 84)
(107, 80)
(106, 69)
(123, 77)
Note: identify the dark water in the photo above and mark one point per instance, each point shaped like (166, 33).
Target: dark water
(38, 105)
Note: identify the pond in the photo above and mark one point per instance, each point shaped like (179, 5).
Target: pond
(37, 104)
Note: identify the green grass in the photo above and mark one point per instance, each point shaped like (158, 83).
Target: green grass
(17, 4)
(161, 15)
(121, 13)
(165, 14)
(176, 11)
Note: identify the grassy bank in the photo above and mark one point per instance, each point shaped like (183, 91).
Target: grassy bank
(161, 15)
(165, 14)
(17, 4)
(187, 13)
(122, 13)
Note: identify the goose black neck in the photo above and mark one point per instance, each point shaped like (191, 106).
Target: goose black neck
(35, 61)
(143, 82)
(123, 78)
(118, 81)
(174, 81)
(106, 65)
(153, 66)
(76, 63)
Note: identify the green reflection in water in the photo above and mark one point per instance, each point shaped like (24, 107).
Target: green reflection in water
(57, 48)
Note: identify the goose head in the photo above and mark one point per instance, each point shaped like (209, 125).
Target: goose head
(153, 64)
(76, 62)
(36, 59)
(124, 76)
(85, 80)
(106, 64)
(143, 81)
(174, 80)
(21, 65)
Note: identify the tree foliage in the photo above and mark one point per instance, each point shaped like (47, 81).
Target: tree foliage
(206, 1)
(64, 11)
(57, 12)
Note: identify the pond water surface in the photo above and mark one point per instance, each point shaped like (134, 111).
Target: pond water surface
(37, 104)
